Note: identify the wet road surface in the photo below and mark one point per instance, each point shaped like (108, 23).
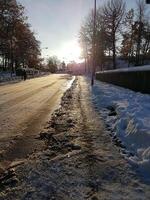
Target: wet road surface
(24, 109)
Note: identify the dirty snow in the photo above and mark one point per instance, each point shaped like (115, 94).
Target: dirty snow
(127, 115)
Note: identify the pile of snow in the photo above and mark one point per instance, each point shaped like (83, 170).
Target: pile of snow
(7, 76)
(127, 113)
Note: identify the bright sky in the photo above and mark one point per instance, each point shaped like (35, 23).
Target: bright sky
(57, 24)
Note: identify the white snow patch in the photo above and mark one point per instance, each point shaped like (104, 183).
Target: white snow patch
(131, 121)
(127, 69)
(70, 82)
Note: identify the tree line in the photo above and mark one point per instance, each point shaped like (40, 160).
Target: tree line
(119, 33)
(18, 44)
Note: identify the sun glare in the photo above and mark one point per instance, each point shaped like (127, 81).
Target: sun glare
(70, 51)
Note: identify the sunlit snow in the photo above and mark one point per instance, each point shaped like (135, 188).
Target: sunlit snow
(129, 122)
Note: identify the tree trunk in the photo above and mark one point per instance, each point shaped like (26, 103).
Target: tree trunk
(114, 51)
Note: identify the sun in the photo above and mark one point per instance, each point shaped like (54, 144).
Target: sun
(70, 51)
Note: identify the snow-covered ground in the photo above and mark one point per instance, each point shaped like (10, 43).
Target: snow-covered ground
(127, 114)
(127, 69)
(79, 161)
(7, 76)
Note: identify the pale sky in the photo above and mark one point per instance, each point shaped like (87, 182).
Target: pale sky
(57, 24)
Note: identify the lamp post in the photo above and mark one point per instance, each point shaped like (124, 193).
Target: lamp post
(94, 45)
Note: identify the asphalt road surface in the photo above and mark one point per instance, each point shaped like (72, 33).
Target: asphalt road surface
(24, 109)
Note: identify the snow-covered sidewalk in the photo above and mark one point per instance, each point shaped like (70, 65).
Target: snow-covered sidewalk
(127, 116)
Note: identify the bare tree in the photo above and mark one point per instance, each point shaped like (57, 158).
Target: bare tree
(113, 12)
(101, 40)
(141, 9)
(86, 39)
(127, 49)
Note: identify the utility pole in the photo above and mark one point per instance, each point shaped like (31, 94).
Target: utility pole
(94, 45)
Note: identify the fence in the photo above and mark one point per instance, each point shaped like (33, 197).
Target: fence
(138, 81)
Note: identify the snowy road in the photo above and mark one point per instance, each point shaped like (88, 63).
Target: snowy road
(80, 161)
(26, 106)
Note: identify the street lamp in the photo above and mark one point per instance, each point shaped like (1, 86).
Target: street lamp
(94, 45)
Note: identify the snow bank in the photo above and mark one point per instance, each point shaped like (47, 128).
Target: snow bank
(7, 76)
(127, 114)
(129, 69)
